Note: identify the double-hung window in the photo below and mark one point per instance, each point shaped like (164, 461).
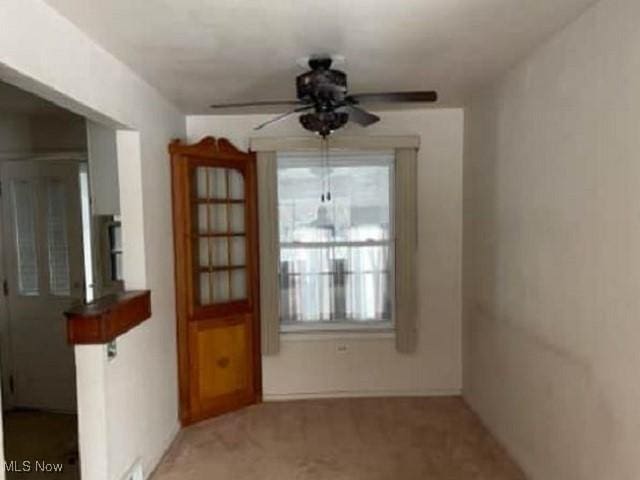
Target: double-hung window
(336, 267)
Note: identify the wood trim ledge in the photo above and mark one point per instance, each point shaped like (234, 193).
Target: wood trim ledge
(106, 318)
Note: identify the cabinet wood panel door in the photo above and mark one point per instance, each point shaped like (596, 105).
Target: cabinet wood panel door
(216, 265)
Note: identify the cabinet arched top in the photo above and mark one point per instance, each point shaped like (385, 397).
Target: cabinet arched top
(209, 147)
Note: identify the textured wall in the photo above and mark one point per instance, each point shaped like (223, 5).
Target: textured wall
(552, 250)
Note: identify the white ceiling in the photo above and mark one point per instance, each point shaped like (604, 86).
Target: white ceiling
(198, 52)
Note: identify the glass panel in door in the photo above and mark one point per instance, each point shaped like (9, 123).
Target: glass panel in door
(219, 235)
(24, 214)
(57, 242)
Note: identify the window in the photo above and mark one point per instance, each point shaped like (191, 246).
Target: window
(336, 257)
(91, 288)
(108, 261)
(115, 250)
(58, 248)
(24, 210)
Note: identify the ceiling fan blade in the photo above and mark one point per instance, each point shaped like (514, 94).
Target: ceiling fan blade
(361, 116)
(386, 97)
(255, 104)
(283, 116)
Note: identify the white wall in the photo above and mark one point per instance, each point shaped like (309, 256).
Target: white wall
(15, 133)
(51, 133)
(103, 169)
(132, 414)
(312, 365)
(22, 133)
(552, 252)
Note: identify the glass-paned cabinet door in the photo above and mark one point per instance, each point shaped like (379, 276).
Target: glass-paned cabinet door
(219, 235)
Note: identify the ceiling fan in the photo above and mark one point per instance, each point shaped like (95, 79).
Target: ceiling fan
(322, 92)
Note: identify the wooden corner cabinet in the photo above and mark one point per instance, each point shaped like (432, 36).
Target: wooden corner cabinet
(216, 268)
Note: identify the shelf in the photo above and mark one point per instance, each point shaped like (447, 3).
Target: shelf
(218, 201)
(195, 236)
(106, 318)
(222, 268)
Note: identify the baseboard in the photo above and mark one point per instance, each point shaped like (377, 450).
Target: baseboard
(278, 397)
(150, 467)
(499, 439)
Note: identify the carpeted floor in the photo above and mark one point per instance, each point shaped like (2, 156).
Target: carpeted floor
(49, 438)
(341, 439)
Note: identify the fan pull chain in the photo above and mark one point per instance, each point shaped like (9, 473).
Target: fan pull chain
(326, 171)
(326, 194)
(322, 172)
(328, 162)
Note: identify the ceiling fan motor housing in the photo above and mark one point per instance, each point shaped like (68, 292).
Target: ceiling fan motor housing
(323, 87)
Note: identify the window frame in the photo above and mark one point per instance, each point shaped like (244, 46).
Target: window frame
(104, 284)
(362, 158)
(114, 252)
(49, 181)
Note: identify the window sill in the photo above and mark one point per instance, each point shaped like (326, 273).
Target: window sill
(385, 333)
(337, 326)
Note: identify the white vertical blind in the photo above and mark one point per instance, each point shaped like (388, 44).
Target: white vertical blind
(24, 208)
(57, 242)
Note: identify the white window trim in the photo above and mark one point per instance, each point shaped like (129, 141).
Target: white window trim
(339, 142)
(367, 326)
(338, 326)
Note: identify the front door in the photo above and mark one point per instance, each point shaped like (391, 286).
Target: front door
(42, 254)
(215, 230)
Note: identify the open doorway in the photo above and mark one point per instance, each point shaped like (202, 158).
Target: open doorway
(54, 253)
(42, 258)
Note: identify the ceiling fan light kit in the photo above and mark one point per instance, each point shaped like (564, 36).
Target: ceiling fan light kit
(324, 91)
(324, 123)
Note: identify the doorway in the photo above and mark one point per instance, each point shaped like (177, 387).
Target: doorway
(43, 154)
(43, 276)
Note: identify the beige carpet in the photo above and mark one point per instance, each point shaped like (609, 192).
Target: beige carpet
(354, 439)
(50, 438)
